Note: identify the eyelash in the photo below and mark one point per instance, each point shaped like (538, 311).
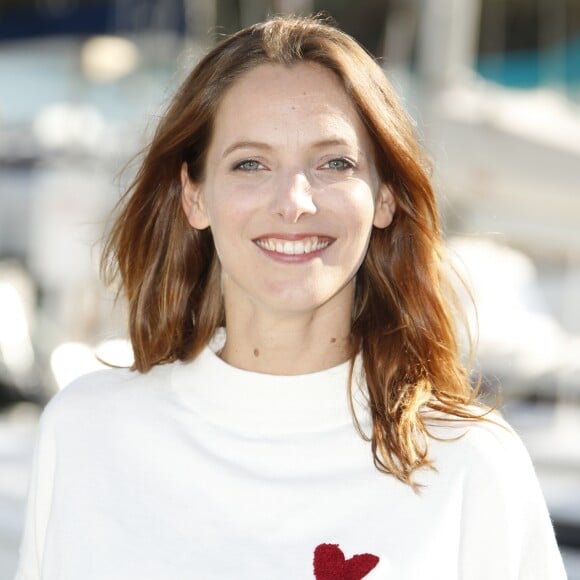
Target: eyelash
(240, 166)
(346, 164)
(256, 165)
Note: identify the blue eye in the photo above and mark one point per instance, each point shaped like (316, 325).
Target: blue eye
(339, 164)
(248, 165)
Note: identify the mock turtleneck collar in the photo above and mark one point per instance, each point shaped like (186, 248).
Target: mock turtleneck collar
(260, 404)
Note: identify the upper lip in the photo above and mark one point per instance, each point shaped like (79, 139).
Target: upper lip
(294, 244)
(293, 237)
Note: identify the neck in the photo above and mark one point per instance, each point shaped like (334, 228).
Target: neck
(287, 344)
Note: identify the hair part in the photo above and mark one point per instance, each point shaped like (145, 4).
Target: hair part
(402, 324)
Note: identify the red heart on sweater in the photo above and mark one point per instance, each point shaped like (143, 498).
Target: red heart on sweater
(330, 564)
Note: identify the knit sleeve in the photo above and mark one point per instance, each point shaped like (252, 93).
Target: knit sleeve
(506, 531)
(39, 502)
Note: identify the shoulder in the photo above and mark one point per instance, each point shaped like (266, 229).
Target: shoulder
(486, 429)
(484, 464)
(104, 392)
(92, 387)
(486, 448)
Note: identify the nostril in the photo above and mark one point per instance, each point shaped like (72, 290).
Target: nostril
(294, 198)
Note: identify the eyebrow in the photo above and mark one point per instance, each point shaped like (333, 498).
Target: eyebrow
(245, 145)
(331, 143)
(265, 146)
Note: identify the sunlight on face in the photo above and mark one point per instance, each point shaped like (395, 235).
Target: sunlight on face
(290, 191)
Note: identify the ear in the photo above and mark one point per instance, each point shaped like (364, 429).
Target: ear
(385, 207)
(192, 201)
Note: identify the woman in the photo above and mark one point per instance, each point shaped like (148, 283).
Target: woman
(330, 432)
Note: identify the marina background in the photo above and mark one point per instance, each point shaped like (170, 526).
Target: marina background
(493, 87)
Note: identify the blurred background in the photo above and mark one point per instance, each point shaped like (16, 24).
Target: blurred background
(493, 87)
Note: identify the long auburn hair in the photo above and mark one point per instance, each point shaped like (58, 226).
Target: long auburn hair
(403, 323)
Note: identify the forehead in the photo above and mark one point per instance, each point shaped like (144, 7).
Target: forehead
(305, 96)
(296, 80)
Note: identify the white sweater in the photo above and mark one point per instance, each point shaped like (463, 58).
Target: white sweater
(204, 471)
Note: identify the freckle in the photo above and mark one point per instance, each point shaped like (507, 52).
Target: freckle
(256, 352)
(333, 339)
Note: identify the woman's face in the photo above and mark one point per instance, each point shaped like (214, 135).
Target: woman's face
(290, 191)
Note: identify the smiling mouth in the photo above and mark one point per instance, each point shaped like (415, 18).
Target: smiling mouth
(306, 245)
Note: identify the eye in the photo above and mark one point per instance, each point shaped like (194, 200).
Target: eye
(248, 165)
(339, 164)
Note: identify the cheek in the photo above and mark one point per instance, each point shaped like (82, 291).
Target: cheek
(228, 223)
(357, 206)
(227, 202)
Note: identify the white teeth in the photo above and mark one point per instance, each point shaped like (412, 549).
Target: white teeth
(295, 247)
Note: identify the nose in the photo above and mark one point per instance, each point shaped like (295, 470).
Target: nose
(293, 198)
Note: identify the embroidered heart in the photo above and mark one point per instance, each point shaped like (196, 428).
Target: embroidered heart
(330, 564)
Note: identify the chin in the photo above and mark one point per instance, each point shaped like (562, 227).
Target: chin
(296, 301)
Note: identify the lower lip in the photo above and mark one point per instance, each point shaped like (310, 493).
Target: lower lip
(293, 258)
